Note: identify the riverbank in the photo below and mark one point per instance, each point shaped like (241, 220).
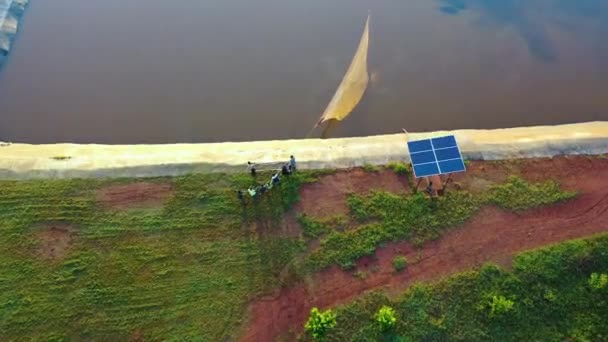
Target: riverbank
(25, 161)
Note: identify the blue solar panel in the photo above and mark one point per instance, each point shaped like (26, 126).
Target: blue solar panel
(420, 145)
(435, 156)
(449, 166)
(447, 153)
(422, 157)
(443, 142)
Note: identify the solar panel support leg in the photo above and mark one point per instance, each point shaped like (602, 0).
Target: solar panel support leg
(447, 181)
(417, 185)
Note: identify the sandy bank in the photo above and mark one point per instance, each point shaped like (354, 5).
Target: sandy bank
(24, 161)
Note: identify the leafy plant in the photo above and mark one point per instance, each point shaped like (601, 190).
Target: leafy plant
(312, 228)
(370, 168)
(500, 305)
(550, 295)
(320, 322)
(400, 168)
(399, 263)
(517, 194)
(598, 281)
(386, 318)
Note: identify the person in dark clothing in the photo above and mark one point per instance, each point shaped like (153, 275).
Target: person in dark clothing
(262, 189)
(275, 179)
(251, 167)
(429, 189)
(285, 170)
(241, 196)
(292, 163)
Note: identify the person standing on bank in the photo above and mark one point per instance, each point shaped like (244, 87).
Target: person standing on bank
(292, 163)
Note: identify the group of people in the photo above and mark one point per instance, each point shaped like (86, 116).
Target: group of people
(257, 191)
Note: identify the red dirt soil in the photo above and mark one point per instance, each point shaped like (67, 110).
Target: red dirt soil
(493, 235)
(327, 197)
(135, 195)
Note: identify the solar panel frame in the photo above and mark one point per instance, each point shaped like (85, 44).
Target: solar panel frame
(446, 156)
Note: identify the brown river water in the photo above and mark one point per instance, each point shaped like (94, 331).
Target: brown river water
(134, 71)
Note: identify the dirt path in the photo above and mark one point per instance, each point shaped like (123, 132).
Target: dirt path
(135, 195)
(492, 235)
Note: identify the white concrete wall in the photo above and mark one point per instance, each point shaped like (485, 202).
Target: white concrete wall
(24, 161)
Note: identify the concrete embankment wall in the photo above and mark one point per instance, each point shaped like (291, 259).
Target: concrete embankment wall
(24, 161)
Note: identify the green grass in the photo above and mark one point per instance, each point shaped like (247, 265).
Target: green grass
(312, 228)
(183, 272)
(187, 270)
(546, 297)
(386, 217)
(371, 168)
(518, 195)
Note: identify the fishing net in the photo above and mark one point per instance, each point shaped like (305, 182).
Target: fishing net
(353, 85)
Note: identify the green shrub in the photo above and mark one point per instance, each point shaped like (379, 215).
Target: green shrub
(400, 168)
(312, 228)
(370, 168)
(550, 295)
(320, 322)
(399, 263)
(598, 281)
(386, 318)
(517, 194)
(357, 207)
(500, 305)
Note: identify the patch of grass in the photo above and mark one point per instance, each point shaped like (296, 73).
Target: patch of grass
(386, 217)
(371, 168)
(399, 168)
(394, 218)
(460, 307)
(185, 271)
(399, 263)
(312, 228)
(517, 195)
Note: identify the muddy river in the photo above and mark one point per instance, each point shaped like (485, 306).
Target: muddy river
(134, 71)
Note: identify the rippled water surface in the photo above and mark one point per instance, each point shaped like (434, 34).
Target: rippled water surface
(134, 71)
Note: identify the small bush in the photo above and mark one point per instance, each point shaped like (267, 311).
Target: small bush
(550, 296)
(311, 227)
(500, 305)
(517, 194)
(399, 263)
(320, 322)
(386, 318)
(371, 168)
(357, 207)
(400, 168)
(598, 281)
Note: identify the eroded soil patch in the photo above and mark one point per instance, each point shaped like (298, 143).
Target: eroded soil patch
(135, 195)
(54, 241)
